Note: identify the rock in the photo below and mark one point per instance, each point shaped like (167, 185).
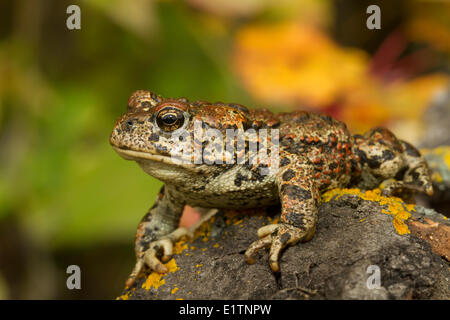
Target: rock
(357, 232)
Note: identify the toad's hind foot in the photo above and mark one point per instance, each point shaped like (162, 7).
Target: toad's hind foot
(276, 237)
(415, 175)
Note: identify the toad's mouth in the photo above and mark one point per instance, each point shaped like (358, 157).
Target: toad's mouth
(129, 154)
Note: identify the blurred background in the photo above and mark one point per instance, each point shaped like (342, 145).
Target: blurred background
(67, 198)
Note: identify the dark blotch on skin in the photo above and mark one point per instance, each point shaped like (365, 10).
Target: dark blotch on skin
(410, 150)
(285, 237)
(288, 175)
(144, 245)
(374, 162)
(400, 173)
(125, 148)
(154, 97)
(238, 107)
(154, 137)
(415, 174)
(149, 235)
(362, 156)
(388, 155)
(326, 117)
(295, 219)
(295, 192)
(256, 175)
(162, 149)
(145, 104)
(239, 179)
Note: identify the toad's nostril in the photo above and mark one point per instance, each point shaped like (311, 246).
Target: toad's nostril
(130, 122)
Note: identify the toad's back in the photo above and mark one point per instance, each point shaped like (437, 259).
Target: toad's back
(322, 140)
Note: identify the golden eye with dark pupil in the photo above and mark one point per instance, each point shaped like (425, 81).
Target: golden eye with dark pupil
(170, 119)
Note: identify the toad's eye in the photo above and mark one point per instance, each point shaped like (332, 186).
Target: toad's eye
(170, 119)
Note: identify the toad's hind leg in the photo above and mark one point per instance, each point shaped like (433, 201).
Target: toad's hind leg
(385, 157)
(299, 196)
(414, 176)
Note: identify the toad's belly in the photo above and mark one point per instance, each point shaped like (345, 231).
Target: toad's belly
(211, 197)
(237, 201)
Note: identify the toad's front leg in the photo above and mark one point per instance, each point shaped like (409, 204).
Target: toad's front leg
(299, 197)
(156, 233)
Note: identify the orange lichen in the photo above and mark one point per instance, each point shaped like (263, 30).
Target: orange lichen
(124, 296)
(392, 205)
(155, 279)
(174, 290)
(204, 230)
(179, 247)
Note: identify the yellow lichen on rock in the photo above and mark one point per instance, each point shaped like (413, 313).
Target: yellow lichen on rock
(124, 297)
(155, 279)
(392, 205)
(179, 247)
(204, 230)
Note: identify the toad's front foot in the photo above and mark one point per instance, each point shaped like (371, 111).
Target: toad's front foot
(276, 237)
(158, 252)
